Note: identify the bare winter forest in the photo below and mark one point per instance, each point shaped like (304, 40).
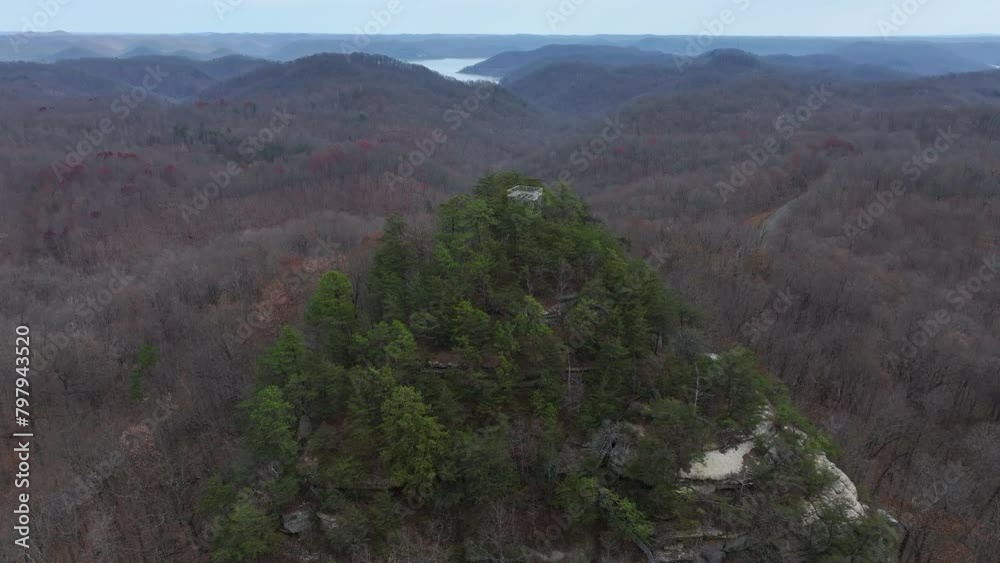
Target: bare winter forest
(839, 218)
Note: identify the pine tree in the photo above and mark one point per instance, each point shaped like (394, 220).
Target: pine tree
(412, 441)
(145, 361)
(332, 313)
(284, 360)
(245, 534)
(271, 433)
(388, 280)
(391, 344)
(471, 326)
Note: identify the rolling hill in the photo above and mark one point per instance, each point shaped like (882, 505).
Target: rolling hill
(506, 64)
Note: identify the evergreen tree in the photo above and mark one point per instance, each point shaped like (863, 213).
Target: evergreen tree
(624, 516)
(216, 496)
(673, 439)
(412, 441)
(484, 464)
(286, 359)
(332, 313)
(383, 520)
(271, 433)
(735, 390)
(391, 344)
(471, 326)
(245, 534)
(388, 282)
(145, 361)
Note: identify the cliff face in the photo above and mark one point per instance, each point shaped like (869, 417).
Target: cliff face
(727, 474)
(520, 389)
(730, 471)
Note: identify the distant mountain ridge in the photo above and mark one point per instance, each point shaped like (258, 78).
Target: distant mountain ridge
(926, 55)
(653, 148)
(507, 63)
(101, 76)
(582, 87)
(915, 57)
(513, 66)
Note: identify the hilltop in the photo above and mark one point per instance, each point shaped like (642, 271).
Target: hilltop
(519, 370)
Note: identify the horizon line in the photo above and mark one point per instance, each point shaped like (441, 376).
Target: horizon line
(352, 34)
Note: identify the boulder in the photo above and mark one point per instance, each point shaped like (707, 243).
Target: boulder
(553, 557)
(296, 521)
(328, 522)
(841, 492)
(711, 555)
(305, 428)
(719, 465)
(729, 464)
(675, 553)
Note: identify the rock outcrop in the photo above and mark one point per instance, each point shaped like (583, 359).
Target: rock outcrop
(296, 521)
(722, 471)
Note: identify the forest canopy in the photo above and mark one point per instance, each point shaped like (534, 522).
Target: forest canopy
(516, 369)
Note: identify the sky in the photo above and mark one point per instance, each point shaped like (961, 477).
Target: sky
(547, 17)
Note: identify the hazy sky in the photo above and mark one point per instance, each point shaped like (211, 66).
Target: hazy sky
(666, 17)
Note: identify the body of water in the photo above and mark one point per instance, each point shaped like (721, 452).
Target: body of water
(450, 68)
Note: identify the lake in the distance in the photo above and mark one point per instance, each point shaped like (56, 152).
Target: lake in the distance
(450, 68)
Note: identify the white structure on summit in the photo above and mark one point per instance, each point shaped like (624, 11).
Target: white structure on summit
(525, 194)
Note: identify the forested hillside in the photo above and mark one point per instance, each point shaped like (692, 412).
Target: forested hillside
(504, 64)
(516, 371)
(875, 207)
(589, 87)
(841, 229)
